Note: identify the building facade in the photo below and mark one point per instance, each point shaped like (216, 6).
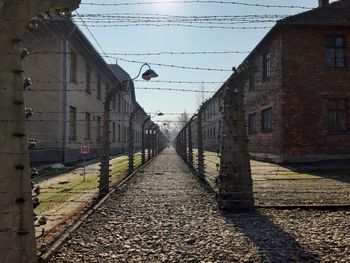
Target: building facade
(212, 123)
(297, 96)
(70, 81)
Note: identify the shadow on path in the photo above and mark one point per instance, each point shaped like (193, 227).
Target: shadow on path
(274, 244)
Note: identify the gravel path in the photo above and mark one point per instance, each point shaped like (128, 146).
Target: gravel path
(165, 215)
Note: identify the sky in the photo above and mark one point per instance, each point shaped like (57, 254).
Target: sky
(146, 39)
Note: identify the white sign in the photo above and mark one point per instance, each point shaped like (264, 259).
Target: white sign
(84, 149)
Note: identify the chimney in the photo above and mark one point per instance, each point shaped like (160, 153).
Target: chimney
(322, 3)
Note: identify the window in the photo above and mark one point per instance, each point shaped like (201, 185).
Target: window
(337, 117)
(252, 123)
(119, 103)
(88, 126)
(266, 65)
(123, 135)
(73, 66)
(113, 132)
(251, 82)
(98, 133)
(88, 79)
(335, 52)
(214, 108)
(266, 119)
(98, 87)
(72, 123)
(119, 133)
(107, 89)
(114, 102)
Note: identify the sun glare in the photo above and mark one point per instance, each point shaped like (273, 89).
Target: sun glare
(167, 5)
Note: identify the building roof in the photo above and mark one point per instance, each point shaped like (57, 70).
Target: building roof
(141, 110)
(114, 72)
(334, 14)
(122, 75)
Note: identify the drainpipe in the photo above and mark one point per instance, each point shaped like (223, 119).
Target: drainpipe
(65, 95)
(66, 79)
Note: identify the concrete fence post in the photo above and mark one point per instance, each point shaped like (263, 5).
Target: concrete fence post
(143, 141)
(157, 142)
(201, 171)
(190, 143)
(235, 180)
(154, 141)
(182, 144)
(131, 140)
(104, 169)
(185, 144)
(150, 140)
(17, 234)
(177, 143)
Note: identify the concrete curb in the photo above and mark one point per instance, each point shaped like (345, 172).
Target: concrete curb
(307, 207)
(77, 223)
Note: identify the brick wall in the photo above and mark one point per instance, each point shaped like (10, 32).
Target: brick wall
(266, 94)
(307, 85)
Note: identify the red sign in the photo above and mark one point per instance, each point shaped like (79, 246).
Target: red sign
(84, 149)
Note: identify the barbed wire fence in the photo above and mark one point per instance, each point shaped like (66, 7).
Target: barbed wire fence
(201, 144)
(224, 143)
(61, 195)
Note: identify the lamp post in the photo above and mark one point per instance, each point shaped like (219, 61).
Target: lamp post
(143, 141)
(149, 141)
(131, 139)
(143, 146)
(156, 141)
(153, 139)
(190, 143)
(104, 172)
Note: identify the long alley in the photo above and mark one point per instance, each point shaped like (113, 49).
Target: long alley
(164, 214)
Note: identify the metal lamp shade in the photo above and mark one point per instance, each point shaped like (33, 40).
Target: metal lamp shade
(149, 74)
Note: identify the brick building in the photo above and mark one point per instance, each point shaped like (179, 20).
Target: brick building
(70, 82)
(297, 97)
(212, 122)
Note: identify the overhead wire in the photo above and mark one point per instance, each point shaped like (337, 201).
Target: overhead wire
(90, 32)
(196, 2)
(180, 25)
